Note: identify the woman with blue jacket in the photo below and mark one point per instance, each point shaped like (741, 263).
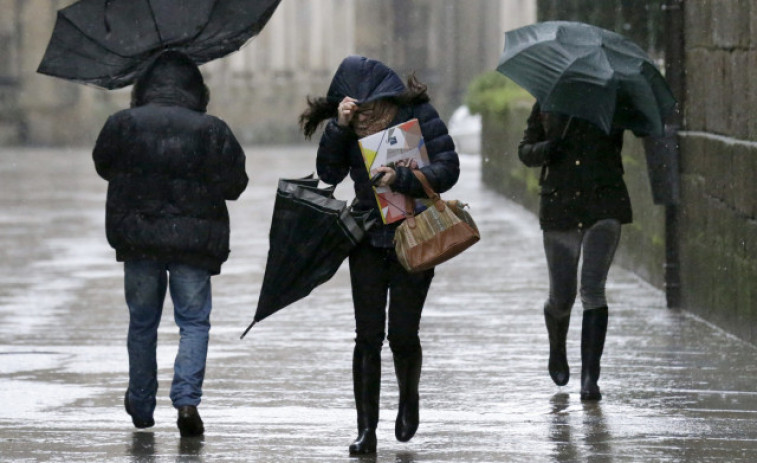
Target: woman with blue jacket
(365, 97)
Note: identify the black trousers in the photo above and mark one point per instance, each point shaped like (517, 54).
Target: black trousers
(377, 277)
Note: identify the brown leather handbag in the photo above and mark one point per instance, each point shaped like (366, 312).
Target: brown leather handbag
(439, 233)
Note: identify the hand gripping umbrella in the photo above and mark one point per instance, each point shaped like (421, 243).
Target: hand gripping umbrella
(311, 235)
(107, 42)
(590, 73)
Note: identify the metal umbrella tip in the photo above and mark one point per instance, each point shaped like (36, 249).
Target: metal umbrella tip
(248, 329)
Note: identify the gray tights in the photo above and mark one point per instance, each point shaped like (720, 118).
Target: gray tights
(563, 249)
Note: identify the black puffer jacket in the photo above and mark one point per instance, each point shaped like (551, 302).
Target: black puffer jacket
(339, 153)
(170, 169)
(582, 177)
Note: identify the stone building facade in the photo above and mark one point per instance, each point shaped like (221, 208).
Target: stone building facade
(261, 89)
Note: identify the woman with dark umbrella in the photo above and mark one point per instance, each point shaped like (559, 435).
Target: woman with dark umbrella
(584, 201)
(365, 97)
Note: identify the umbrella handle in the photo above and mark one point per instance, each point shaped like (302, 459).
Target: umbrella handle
(567, 126)
(105, 16)
(248, 329)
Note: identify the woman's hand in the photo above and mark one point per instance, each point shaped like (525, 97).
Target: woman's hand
(409, 163)
(346, 111)
(390, 175)
(388, 178)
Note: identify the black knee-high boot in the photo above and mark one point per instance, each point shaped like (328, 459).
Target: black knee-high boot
(366, 377)
(408, 371)
(558, 359)
(593, 333)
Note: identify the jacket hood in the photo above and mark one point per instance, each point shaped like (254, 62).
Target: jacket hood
(365, 80)
(172, 78)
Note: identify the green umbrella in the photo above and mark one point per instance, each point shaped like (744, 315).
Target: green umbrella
(590, 73)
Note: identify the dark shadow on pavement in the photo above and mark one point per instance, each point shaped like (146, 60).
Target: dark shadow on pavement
(598, 439)
(365, 458)
(190, 449)
(405, 457)
(565, 450)
(142, 447)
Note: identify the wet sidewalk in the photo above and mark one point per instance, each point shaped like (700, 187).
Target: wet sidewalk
(675, 388)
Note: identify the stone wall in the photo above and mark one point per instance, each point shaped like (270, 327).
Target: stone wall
(718, 215)
(718, 231)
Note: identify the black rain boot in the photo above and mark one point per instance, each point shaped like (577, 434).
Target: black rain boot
(558, 359)
(366, 378)
(408, 371)
(593, 334)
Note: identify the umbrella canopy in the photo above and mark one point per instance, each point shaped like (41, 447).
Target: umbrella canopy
(588, 72)
(311, 235)
(107, 42)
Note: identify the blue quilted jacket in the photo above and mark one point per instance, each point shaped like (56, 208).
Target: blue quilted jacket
(339, 153)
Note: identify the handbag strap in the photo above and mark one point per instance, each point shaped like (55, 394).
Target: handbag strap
(433, 195)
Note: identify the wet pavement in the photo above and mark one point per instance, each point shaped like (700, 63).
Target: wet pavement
(675, 388)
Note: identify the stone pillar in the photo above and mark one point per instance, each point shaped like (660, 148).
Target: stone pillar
(11, 122)
(261, 90)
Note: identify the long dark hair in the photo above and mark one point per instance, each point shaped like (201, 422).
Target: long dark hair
(321, 108)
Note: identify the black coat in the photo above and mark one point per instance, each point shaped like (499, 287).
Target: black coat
(582, 171)
(339, 152)
(170, 168)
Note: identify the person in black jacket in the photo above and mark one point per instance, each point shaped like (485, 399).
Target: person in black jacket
(584, 201)
(365, 96)
(170, 168)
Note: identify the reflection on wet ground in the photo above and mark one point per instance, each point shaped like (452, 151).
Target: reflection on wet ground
(675, 388)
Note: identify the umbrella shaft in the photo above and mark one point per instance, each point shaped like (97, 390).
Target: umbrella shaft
(567, 126)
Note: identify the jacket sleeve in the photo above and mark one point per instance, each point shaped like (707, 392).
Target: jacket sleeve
(534, 149)
(106, 147)
(234, 178)
(332, 161)
(443, 169)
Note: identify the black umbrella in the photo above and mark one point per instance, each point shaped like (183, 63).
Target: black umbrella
(107, 42)
(588, 72)
(311, 235)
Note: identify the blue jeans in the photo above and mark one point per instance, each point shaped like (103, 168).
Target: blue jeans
(145, 284)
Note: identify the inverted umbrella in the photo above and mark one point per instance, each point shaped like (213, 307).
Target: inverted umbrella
(107, 42)
(590, 73)
(312, 233)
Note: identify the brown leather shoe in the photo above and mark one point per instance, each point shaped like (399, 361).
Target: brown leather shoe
(189, 421)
